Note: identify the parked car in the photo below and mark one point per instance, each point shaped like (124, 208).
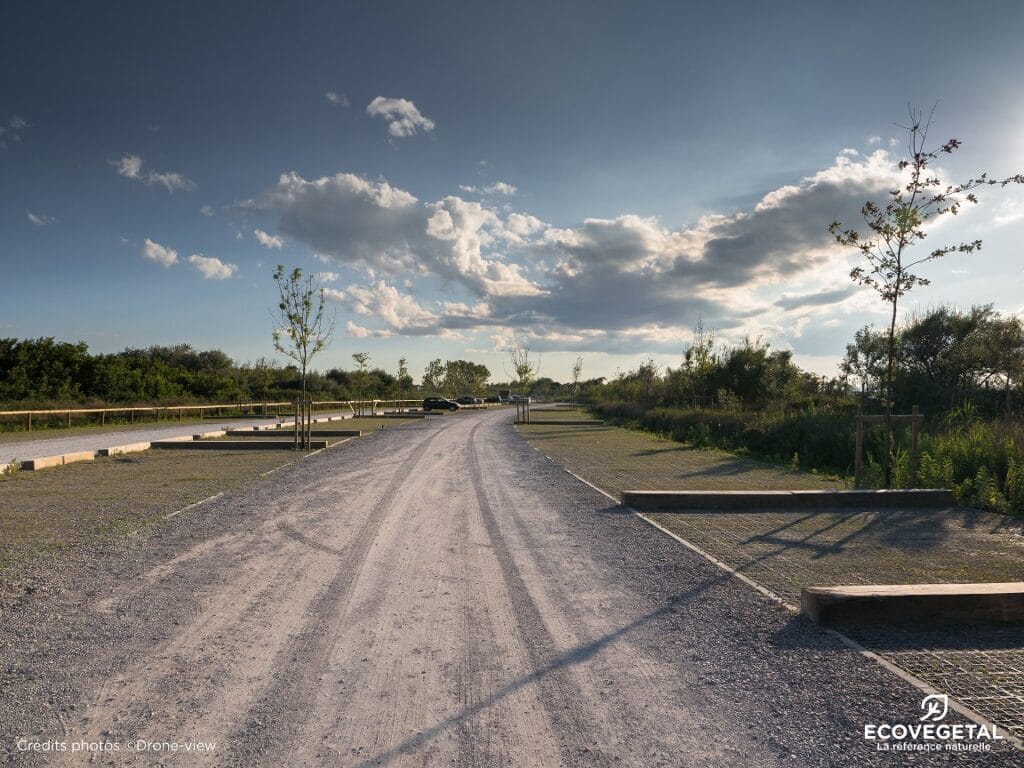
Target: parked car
(439, 404)
(467, 400)
(493, 399)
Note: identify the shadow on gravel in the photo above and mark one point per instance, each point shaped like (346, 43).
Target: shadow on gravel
(801, 633)
(973, 637)
(577, 655)
(903, 530)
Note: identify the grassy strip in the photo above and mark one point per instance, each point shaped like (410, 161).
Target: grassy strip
(788, 550)
(618, 459)
(49, 513)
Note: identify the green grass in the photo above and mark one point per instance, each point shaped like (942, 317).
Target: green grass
(48, 513)
(617, 459)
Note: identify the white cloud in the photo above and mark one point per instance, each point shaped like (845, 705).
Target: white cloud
(159, 254)
(398, 310)
(874, 140)
(327, 277)
(404, 119)
(208, 210)
(40, 219)
(267, 241)
(212, 268)
(130, 166)
(497, 188)
(626, 283)
(336, 98)
(11, 130)
(1008, 212)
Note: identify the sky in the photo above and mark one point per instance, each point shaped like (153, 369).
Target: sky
(585, 179)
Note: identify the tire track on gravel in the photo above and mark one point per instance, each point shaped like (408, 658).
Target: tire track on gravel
(560, 695)
(263, 737)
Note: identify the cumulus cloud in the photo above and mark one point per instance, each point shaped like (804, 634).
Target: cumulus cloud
(340, 99)
(400, 311)
(267, 241)
(130, 166)
(626, 283)
(211, 267)
(40, 219)
(379, 227)
(159, 254)
(208, 210)
(404, 119)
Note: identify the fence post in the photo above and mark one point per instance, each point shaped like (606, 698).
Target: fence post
(29, 422)
(915, 419)
(858, 462)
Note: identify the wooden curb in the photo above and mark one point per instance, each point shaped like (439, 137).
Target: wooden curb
(935, 604)
(734, 501)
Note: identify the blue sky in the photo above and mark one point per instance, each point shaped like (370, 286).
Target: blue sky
(585, 178)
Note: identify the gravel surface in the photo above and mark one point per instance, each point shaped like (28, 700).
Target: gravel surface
(436, 594)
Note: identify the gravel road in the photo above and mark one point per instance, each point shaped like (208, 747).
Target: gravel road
(435, 594)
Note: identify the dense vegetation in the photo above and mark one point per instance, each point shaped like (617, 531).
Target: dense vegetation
(965, 370)
(45, 373)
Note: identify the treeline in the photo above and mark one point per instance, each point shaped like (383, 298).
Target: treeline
(45, 372)
(964, 369)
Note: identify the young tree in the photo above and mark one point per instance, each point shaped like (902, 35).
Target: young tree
(525, 369)
(898, 225)
(700, 362)
(404, 379)
(362, 377)
(577, 371)
(302, 328)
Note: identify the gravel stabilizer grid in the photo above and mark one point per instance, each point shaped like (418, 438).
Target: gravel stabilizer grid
(982, 667)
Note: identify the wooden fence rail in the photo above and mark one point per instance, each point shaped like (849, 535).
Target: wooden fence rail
(169, 412)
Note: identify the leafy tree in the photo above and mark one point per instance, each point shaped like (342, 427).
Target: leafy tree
(464, 377)
(433, 376)
(865, 359)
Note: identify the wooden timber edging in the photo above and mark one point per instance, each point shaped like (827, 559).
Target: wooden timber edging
(936, 604)
(742, 501)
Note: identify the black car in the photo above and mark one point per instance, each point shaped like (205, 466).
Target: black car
(439, 404)
(468, 400)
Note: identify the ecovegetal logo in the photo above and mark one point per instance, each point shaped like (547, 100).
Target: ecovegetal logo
(935, 706)
(930, 733)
